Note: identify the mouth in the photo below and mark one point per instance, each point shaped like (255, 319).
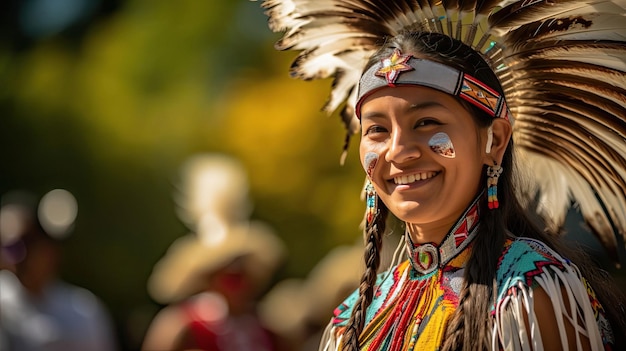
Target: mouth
(412, 178)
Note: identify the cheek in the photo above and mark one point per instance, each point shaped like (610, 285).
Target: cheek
(369, 162)
(441, 144)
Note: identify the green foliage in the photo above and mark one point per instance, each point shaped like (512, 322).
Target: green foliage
(112, 119)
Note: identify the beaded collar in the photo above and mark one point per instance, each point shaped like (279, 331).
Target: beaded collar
(427, 257)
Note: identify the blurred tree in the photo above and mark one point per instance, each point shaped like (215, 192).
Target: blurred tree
(109, 100)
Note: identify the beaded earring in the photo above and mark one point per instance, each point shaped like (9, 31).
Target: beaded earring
(371, 198)
(493, 173)
(371, 202)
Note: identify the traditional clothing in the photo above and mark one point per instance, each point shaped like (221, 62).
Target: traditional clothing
(414, 301)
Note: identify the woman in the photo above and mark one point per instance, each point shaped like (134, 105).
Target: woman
(437, 147)
(479, 275)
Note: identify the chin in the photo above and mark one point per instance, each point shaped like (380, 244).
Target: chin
(424, 212)
(409, 212)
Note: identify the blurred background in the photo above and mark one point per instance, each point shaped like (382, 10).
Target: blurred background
(107, 98)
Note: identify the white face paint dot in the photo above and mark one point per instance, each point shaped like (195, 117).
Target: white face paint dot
(441, 144)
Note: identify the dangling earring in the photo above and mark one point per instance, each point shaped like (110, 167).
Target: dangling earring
(493, 173)
(371, 203)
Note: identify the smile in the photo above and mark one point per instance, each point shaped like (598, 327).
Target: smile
(408, 179)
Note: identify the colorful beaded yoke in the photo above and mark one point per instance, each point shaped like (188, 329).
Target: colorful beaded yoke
(410, 308)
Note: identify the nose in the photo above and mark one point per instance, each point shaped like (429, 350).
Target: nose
(403, 147)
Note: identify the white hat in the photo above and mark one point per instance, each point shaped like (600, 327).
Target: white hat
(183, 268)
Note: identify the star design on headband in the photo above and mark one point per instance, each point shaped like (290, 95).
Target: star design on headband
(393, 65)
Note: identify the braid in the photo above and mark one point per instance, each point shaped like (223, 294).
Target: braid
(453, 338)
(469, 327)
(373, 244)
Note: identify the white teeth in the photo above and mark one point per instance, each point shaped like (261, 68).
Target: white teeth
(408, 179)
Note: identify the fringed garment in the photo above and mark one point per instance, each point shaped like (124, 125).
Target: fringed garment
(414, 301)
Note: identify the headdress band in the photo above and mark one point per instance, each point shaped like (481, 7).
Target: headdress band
(402, 70)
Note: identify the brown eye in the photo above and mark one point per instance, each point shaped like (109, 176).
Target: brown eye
(375, 129)
(425, 122)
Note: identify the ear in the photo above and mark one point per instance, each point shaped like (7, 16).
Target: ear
(501, 130)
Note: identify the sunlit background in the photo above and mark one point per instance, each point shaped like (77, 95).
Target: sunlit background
(107, 98)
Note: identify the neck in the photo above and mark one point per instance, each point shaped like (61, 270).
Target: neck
(435, 232)
(429, 255)
(430, 232)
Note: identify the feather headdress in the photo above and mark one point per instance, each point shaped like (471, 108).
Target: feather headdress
(562, 64)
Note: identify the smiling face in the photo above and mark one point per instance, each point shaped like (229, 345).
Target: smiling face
(430, 154)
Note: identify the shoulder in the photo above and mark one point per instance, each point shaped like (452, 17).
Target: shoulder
(524, 259)
(539, 293)
(10, 287)
(165, 328)
(85, 304)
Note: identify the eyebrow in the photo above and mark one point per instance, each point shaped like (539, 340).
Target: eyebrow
(413, 107)
(425, 105)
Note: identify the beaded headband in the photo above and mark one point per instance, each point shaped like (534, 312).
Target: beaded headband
(402, 70)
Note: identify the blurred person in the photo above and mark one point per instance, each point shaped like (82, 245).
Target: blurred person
(38, 310)
(210, 279)
(297, 309)
(283, 310)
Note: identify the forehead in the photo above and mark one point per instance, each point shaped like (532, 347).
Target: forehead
(407, 96)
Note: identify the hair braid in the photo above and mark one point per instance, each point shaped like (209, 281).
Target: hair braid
(453, 338)
(469, 327)
(373, 245)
